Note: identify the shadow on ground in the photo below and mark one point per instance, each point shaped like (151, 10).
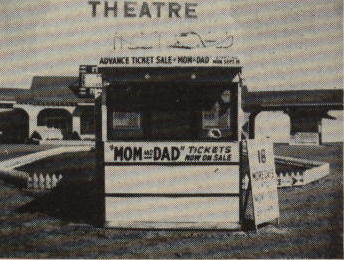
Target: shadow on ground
(75, 199)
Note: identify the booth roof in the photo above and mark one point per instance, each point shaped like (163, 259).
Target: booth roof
(53, 90)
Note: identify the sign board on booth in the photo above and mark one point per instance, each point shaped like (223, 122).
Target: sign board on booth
(263, 180)
(170, 60)
(172, 152)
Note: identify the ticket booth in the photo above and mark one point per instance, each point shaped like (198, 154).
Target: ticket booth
(168, 146)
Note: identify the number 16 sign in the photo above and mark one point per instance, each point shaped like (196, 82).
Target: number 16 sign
(263, 180)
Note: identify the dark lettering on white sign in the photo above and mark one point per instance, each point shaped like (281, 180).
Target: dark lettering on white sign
(132, 9)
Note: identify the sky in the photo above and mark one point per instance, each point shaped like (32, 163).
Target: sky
(283, 44)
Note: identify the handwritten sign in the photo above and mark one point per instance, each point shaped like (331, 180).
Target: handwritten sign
(263, 180)
(169, 152)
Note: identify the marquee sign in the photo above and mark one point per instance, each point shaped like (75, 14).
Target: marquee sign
(171, 152)
(263, 180)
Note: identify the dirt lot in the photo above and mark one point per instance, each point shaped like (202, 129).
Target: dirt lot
(58, 224)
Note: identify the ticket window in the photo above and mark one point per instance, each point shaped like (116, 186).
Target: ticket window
(126, 120)
(191, 121)
(155, 125)
(218, 118)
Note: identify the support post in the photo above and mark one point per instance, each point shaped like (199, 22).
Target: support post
(320, 130)
(234, 114)
(33, 120)
(76, 124)
(251, 124)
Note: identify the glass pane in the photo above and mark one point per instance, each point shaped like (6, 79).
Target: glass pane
(219, 115)
(126, 120)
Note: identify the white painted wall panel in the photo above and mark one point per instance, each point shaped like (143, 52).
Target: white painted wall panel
(172, 210)
(172, 179)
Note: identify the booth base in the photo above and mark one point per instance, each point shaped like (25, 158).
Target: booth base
(172, 212)
(173, 225)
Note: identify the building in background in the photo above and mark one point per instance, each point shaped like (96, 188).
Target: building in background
(62, 107)
(51, 102)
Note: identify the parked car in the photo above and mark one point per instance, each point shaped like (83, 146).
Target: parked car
(46, 133)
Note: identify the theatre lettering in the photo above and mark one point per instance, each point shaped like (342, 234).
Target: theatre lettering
(131, 9)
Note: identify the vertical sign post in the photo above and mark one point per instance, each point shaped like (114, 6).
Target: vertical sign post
(263, 181)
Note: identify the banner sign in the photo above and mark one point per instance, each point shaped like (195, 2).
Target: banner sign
(169, 60)
(263, 180)
(171, 152)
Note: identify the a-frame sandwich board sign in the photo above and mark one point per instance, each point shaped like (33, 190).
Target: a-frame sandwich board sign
(262, 181)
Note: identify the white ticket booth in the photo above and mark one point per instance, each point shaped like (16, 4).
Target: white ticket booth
(168, 150)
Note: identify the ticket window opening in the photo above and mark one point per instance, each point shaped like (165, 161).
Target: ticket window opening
(171, 115)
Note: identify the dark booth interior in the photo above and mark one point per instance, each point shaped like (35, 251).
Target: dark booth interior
(171, 111)
(174, 103)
